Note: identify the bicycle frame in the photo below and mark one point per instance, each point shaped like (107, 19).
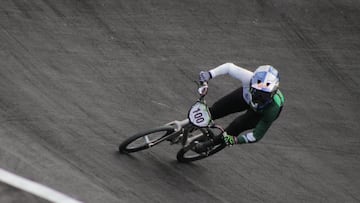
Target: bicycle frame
(181, 127)
(179, 124)
(197, 127)
(198, 116)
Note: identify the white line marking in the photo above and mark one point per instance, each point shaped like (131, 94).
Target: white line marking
(34, 188)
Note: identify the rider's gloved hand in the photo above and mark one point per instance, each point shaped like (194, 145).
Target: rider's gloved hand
(204, 76)
(229, 139)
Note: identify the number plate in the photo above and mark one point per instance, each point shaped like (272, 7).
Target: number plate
(199, 115)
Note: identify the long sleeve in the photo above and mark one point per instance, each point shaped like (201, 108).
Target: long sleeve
(231, 69)
(269, 115)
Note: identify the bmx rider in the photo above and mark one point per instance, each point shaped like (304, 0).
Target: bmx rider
(259, 97)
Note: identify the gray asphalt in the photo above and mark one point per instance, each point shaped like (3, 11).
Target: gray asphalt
(79, 77)
(11, 194)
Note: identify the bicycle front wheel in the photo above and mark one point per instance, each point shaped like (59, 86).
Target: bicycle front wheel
(145, 140)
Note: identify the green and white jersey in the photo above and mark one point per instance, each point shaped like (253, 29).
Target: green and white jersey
(268, 115)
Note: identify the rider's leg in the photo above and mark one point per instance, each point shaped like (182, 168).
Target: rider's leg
(242, 123)
(231, 103)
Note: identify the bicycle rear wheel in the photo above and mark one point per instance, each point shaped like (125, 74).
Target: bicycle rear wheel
(145, 140)
(187, 154)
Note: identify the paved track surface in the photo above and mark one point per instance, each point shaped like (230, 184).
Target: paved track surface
(11, 194)
(78, 77)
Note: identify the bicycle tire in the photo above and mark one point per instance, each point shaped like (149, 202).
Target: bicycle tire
(129, 145)
(184, 157)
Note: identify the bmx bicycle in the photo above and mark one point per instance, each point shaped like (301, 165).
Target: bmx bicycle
(197, 127)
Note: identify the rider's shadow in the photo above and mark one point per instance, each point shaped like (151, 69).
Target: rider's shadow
(157, 167)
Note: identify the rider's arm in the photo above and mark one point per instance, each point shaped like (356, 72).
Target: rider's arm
(269, 116)
(233, 70)
(256, 134)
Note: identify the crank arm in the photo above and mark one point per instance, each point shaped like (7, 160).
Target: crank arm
(193, 138)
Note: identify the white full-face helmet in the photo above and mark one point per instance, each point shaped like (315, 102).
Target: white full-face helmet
(263, 86)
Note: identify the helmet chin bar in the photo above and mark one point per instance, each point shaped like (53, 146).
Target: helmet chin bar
(257, 107)
(260, 98)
